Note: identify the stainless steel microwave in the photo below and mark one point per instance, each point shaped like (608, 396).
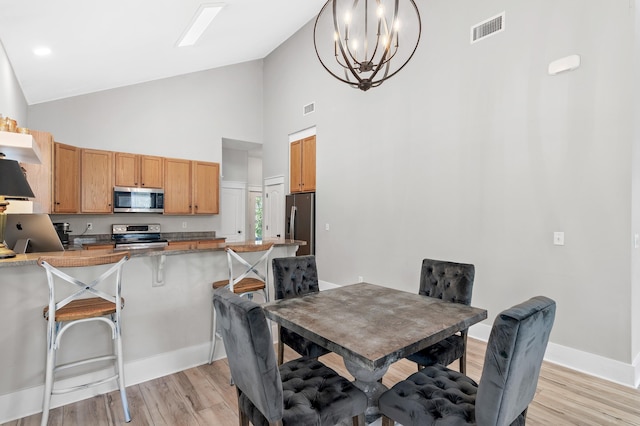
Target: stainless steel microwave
(138, 200)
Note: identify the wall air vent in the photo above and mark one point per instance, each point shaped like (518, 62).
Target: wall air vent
(489, 27)
(309, 108)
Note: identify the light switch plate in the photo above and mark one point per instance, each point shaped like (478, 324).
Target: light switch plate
(558, 238)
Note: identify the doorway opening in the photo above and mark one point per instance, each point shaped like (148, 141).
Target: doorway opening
(256, 215)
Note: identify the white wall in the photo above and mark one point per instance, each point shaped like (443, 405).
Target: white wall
(182, 117)
(473, 153)
(12, 101)
(235, 165)
(255, 171)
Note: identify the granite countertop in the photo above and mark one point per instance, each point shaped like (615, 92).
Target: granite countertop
(31, 258)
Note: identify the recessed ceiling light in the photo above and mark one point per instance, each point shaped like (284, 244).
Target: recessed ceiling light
(41, 51)
(199, 24)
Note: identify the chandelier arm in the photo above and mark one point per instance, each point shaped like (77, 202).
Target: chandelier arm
(414, 48)
(417, 41)
(315, 45)
(346, 35)
(342, 51)
(394, 30)
(380, 20)
(390, 57)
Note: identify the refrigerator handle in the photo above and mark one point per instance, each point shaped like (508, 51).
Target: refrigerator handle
(292, 222)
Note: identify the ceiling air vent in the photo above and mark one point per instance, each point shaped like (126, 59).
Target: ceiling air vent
(484, 29)
(309, 108)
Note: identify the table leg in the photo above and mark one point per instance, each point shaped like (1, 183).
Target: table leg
(367, 381)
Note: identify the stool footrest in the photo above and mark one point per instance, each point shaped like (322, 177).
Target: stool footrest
(85, 385)
(84, 362)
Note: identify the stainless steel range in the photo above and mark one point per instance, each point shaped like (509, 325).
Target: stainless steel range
(128, 237)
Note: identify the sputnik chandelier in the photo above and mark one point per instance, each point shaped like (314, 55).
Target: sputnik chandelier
(359, 41)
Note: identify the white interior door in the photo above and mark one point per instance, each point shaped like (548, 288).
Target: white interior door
(232, 211)
(273, 205)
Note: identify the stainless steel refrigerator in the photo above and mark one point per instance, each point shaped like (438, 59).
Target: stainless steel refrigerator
(301, 221)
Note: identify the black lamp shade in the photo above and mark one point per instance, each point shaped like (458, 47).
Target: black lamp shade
(13, 183)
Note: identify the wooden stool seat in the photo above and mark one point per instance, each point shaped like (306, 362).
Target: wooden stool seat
(244, 286)
(83, 308)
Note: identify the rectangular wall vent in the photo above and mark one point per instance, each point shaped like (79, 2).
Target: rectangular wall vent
(309, 108)
(489, 27)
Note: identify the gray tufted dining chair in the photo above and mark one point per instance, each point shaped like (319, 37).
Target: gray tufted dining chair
(294, 277)
(299, 392)
(438, 395)
(451, 282)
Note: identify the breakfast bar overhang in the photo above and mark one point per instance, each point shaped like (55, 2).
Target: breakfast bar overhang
(166, 325)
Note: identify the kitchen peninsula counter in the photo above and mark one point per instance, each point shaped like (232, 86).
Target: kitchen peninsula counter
(32, 258)
(166, 322)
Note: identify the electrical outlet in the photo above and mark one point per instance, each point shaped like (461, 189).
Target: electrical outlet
(89, 226)
(326, 226)
(360, 279)
(184, 225)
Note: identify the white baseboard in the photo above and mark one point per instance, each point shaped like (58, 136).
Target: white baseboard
(324, 285)
(636, 367)
(585, 362)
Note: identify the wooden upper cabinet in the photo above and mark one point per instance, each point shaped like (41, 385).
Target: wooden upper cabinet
(206, 184)
(177, 188)
(39, 175)
(142, 171)
(66, 179)
(191, 187)
(151, 171)
(127, 169)
(302, 176)
(97, 181)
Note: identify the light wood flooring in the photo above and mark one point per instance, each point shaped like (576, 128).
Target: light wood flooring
(203, 396)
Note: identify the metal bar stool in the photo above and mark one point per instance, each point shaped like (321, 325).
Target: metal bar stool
(76, 308)
(245, 278)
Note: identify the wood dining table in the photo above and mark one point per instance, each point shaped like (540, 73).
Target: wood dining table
(371, 327)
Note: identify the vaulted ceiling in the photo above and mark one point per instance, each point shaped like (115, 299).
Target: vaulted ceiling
(98, 45)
